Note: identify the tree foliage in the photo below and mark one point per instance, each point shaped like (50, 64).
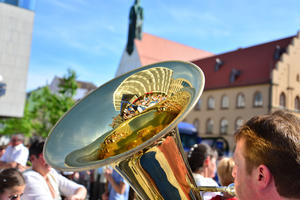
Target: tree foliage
(43, 109)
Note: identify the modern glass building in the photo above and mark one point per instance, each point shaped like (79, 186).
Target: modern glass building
(27, 4)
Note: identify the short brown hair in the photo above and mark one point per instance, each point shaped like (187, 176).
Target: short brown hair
(274, 141)
(225, 167)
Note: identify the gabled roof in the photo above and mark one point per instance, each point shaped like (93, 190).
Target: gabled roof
(89, 86)
(254, 65)
(153, 49)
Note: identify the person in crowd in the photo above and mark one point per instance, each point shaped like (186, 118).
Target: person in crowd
(3, 144)
(12, 184)
(43, 182)
(224, 171)
(102, 180)
(267, 158)
(16, 154)
(202, 160)
(118, 188)
(2, 150)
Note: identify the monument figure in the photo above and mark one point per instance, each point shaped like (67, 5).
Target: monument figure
(136, 17)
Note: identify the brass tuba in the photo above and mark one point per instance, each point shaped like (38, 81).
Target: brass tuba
(130, 123)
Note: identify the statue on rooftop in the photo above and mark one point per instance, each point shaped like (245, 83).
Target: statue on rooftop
(136, 17)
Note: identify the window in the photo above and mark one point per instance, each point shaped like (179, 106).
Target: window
(2, 89)
(234, 74)
(210, 103)
(238, 123)
(198, 105)
(223, 126)
(297, 103)
(209, 126)
(258, 100)
(278, 52)
(27, 4)
(196, 123)
(12, 2)
(225, 102)
(282, 100)
(240, 101)
(218, 64)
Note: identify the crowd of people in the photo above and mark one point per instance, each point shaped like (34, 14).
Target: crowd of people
(265, 165)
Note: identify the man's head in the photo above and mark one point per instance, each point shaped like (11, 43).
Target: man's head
(37, 158)
(17, 139)
(267, 155)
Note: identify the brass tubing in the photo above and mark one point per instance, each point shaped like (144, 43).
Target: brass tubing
(229, 189)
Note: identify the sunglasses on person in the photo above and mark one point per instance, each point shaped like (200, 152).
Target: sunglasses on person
(14, 196)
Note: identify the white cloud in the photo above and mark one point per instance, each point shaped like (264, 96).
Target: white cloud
(69, 6)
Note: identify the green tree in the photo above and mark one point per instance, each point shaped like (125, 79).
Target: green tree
(17, 125)
(43, 109)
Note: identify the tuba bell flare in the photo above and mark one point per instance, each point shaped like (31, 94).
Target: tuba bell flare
(130, 123)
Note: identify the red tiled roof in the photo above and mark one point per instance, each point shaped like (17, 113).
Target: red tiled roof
(153, 49)
(255, 64)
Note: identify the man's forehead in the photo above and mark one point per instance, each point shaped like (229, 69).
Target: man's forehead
(239, 148)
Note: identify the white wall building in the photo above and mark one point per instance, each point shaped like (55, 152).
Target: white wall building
(16, 24)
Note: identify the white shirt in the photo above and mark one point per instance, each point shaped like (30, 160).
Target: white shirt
(18, 154)
(37, 189)
(203, 181)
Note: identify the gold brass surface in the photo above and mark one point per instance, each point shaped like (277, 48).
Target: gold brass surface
(118, 125)
(159, 171)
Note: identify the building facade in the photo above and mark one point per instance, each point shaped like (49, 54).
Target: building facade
(16, 25)
(238, 84)
(247, 82)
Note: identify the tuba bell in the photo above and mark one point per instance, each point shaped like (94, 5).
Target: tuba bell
(130, 123)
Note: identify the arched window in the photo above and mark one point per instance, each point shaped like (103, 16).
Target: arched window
(210, 103)
(209, 126)
(198, 105)
(257, 100)
(297, 103)
(196, 123)
(225, 102)
(240, 100)
(223, 126)
(238, 123)
(282, 100)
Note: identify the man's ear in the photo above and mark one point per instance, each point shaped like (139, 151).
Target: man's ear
(32, 158)
(206, 161)
(262, 176)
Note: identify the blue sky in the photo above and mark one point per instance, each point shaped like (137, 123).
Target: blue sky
(89, 36)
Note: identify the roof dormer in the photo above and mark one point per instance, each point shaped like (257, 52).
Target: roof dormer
(234, 74)
(218, 64)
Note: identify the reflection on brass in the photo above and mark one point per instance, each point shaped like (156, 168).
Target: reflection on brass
(143, 126)
(229, 189)
(160, 171)
(142, 142)
(153, 80)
